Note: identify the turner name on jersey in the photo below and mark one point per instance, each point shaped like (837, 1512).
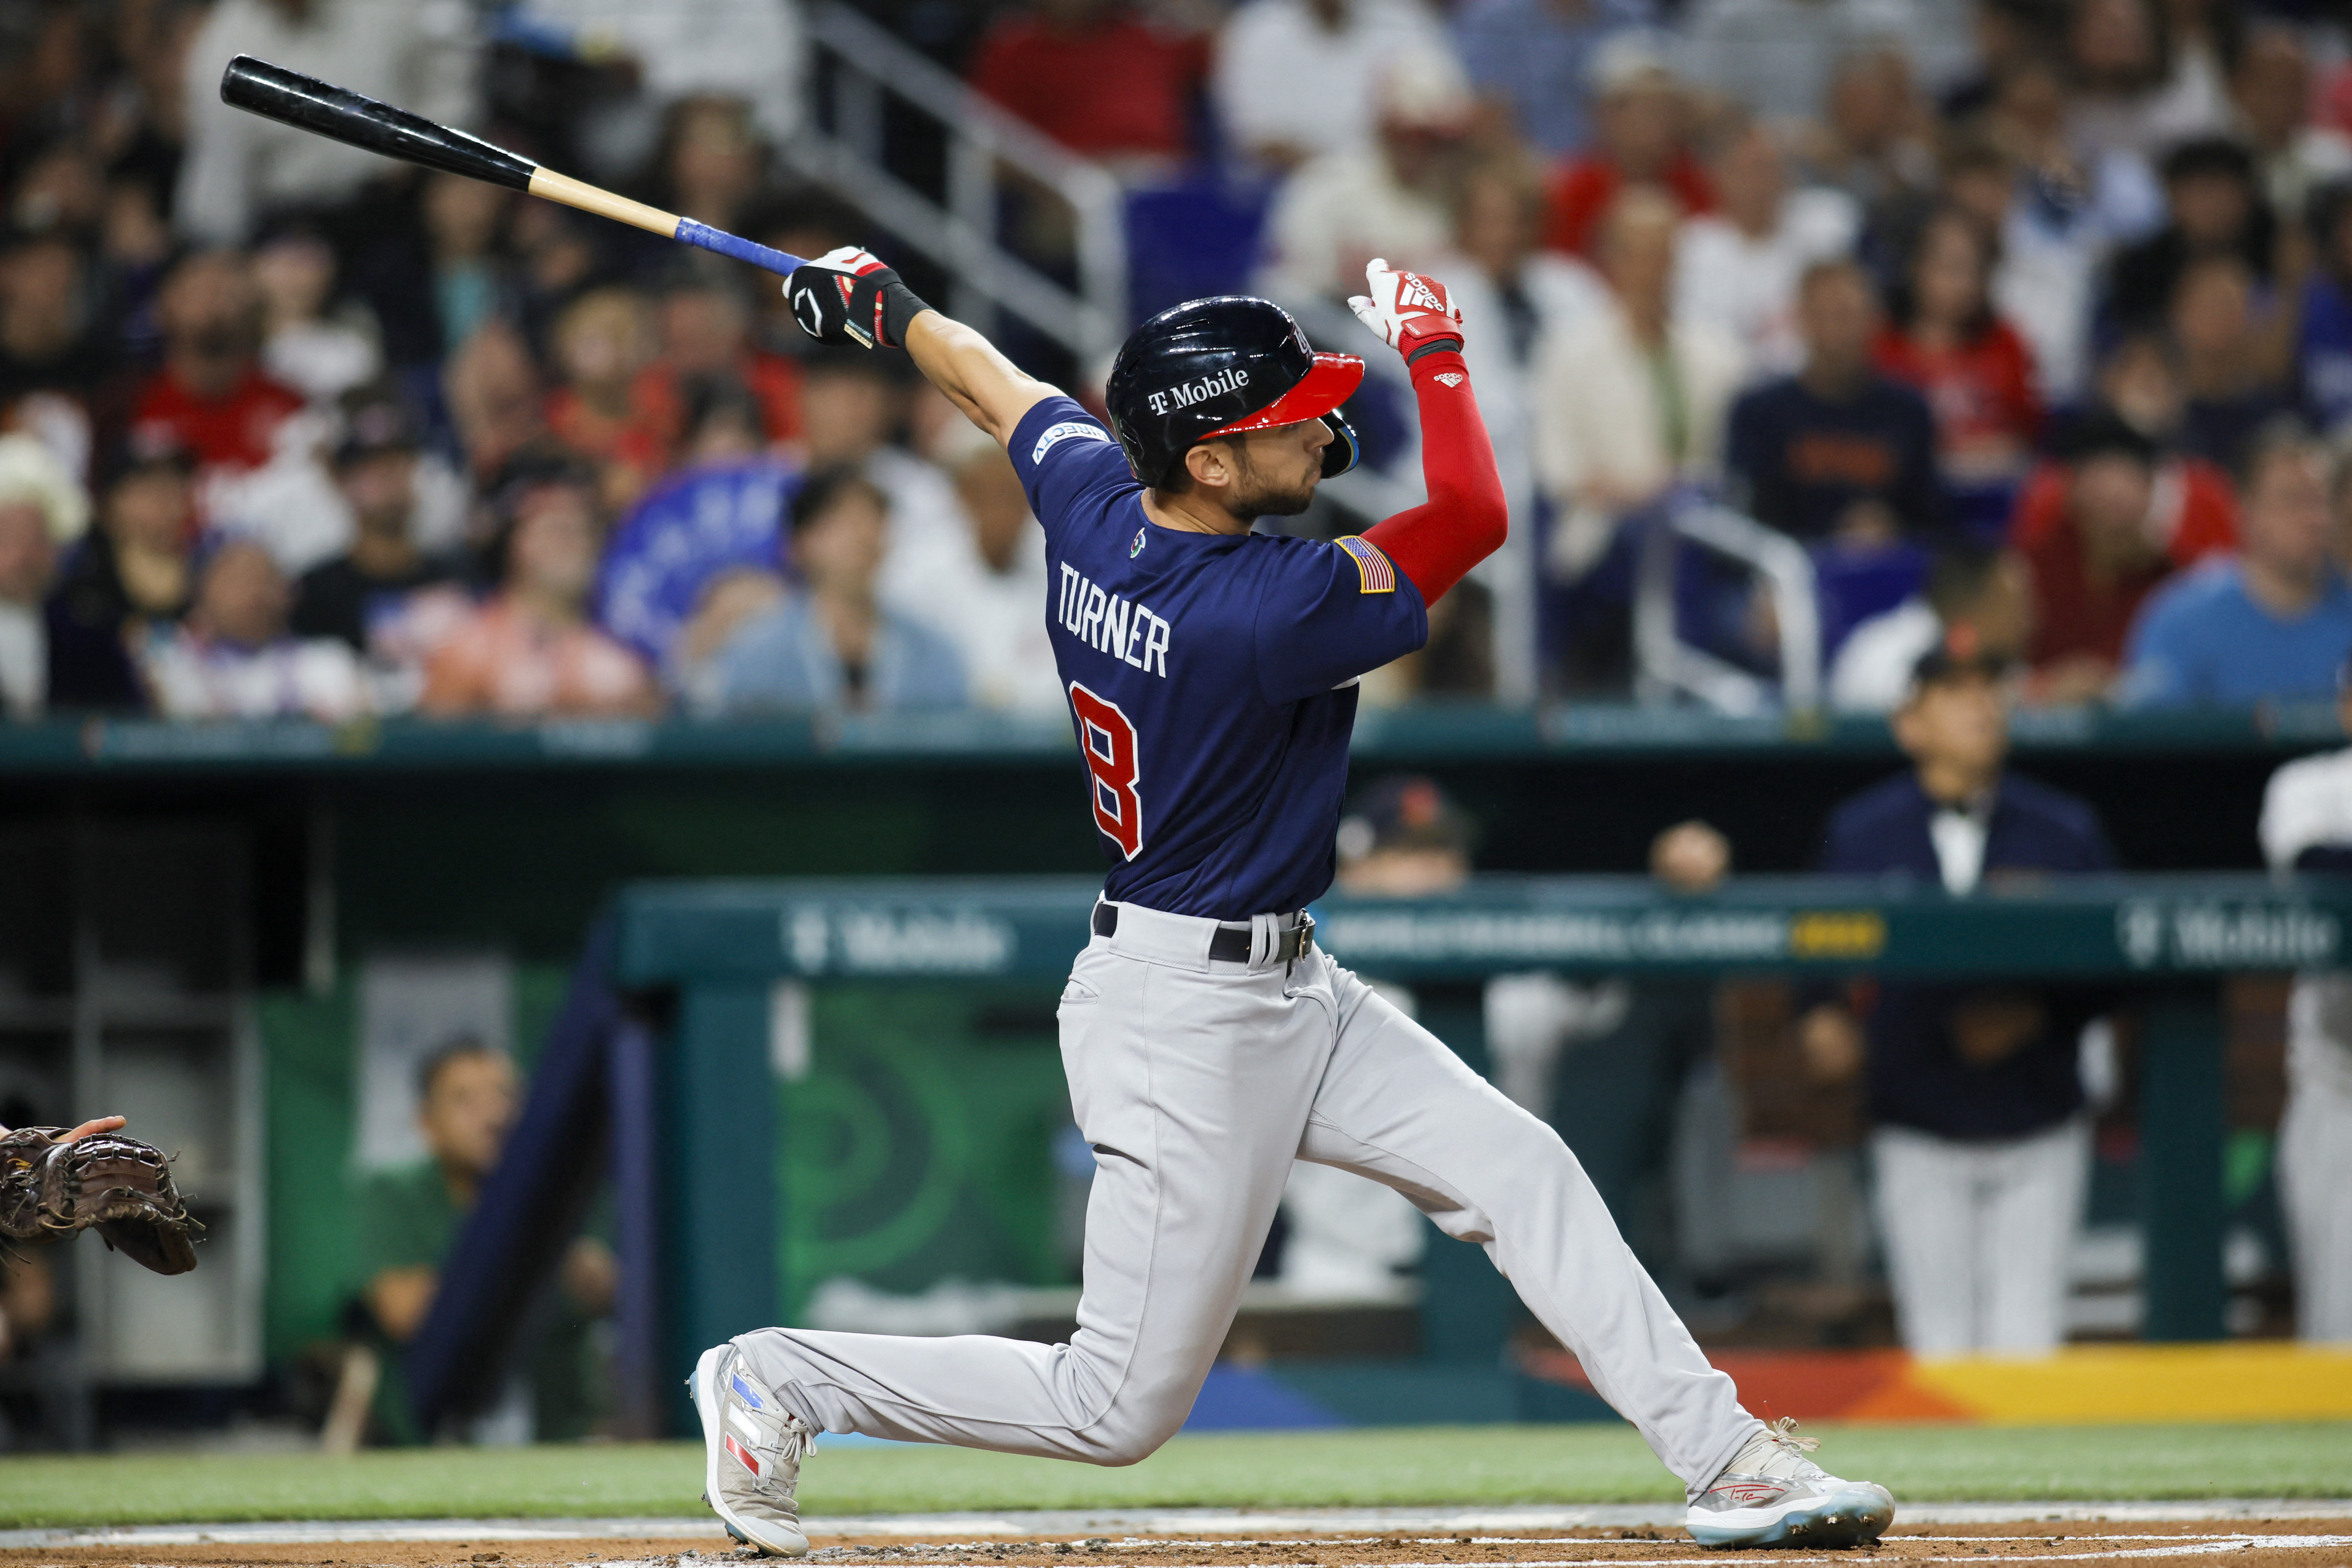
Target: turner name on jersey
(1107, 623)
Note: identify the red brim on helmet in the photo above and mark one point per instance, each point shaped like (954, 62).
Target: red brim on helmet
(1329, 380)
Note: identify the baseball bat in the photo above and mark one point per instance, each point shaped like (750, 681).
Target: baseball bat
(277, 93)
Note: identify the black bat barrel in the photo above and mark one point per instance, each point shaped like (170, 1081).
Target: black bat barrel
(314, 105)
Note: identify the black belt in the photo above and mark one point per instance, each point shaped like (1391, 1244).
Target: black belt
(1230, 944)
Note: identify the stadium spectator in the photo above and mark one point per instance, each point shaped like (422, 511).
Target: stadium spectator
(1775, 56)
(409, 1216)
(2213, 207)
(1298, 77)
(601, 410)
(2271, 90)
(1513, 297)
(2307, 826)
(2099, 530)
(211, 396)
(704, 332)
(492, 387)
(127, 575)
(2225, 363)
(2325, 325)
(2140, 383)
(1973, 368)
(241, 166)
(992, 587)
(2141, 85)
(1837, 452)
(1643, 112)
(2067, 208)
(834, 645)
(231, 657)
(302, 346)
(42, 511)
(56, 348)
(2273, 620)
(1629, 401)
(1533, 59)
(744, 50)
(1341, 209)
(531, 651)
(854, 407)
(376, 469)
(1736, 268)
(712, 164)
(1977, 602)
(459, 279)
(1981, 1153)
(1872, 143)
(1097, 77)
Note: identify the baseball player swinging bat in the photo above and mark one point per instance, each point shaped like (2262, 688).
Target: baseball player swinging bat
(277, 93)
(1211, 674)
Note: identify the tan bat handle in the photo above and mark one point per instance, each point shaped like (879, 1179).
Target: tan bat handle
(589, 198)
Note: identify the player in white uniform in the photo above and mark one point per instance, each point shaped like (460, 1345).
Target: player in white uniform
(1208, 1043)
(2307, 823)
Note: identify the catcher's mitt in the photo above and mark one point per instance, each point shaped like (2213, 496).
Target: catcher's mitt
(118, 1185)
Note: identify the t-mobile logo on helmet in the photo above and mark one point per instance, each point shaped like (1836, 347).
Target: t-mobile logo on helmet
(1186, 393)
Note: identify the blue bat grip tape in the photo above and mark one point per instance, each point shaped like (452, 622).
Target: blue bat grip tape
(726, 244)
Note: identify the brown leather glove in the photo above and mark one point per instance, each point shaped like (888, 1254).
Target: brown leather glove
(117, 1185)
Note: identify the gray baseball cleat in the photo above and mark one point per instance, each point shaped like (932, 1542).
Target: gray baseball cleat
(751, 1452)
(1772, 1495)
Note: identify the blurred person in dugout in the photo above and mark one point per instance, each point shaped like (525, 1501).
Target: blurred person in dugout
(1981, 1144)
(1605, 1062)
(2307, 826)
(408, 1217)
(1401, 837)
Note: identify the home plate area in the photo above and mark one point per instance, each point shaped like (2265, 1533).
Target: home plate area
(2032, 1537)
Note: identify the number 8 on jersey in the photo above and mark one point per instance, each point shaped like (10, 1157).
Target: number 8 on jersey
(1107, 740)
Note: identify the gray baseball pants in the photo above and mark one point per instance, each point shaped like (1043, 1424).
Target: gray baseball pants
(1198, 1082)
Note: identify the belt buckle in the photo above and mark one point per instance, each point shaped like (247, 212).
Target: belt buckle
(1302, 937)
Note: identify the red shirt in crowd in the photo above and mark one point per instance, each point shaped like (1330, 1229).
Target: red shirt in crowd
(2194, 514)
(772, 380)
(1115, 85)
(1583, 188)
(232, 431)
(1978, 391)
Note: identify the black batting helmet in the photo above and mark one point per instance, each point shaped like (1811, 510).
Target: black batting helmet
(1220, 367)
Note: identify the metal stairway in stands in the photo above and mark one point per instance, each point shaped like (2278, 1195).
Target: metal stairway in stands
(856, 71)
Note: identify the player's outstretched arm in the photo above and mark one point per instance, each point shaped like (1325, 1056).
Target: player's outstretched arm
(851, 297)
(1465, 518)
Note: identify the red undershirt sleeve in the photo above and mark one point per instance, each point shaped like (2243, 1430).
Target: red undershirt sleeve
(1465, 519)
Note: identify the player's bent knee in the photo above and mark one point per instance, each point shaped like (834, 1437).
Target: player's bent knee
(1134, 1427)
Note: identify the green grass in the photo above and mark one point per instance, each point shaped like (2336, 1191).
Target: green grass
(1429, 1465)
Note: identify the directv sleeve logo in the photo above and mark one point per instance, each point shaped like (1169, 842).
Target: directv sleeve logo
(1069, 430)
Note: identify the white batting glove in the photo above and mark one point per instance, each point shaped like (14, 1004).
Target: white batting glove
(852, 295)
(1407, 310)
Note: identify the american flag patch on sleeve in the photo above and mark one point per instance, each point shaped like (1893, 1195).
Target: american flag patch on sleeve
(1377, 574)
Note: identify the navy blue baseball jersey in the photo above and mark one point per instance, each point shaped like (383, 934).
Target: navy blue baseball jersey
(1211, 678)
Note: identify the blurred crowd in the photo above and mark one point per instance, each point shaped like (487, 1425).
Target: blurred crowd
(2030, 319)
